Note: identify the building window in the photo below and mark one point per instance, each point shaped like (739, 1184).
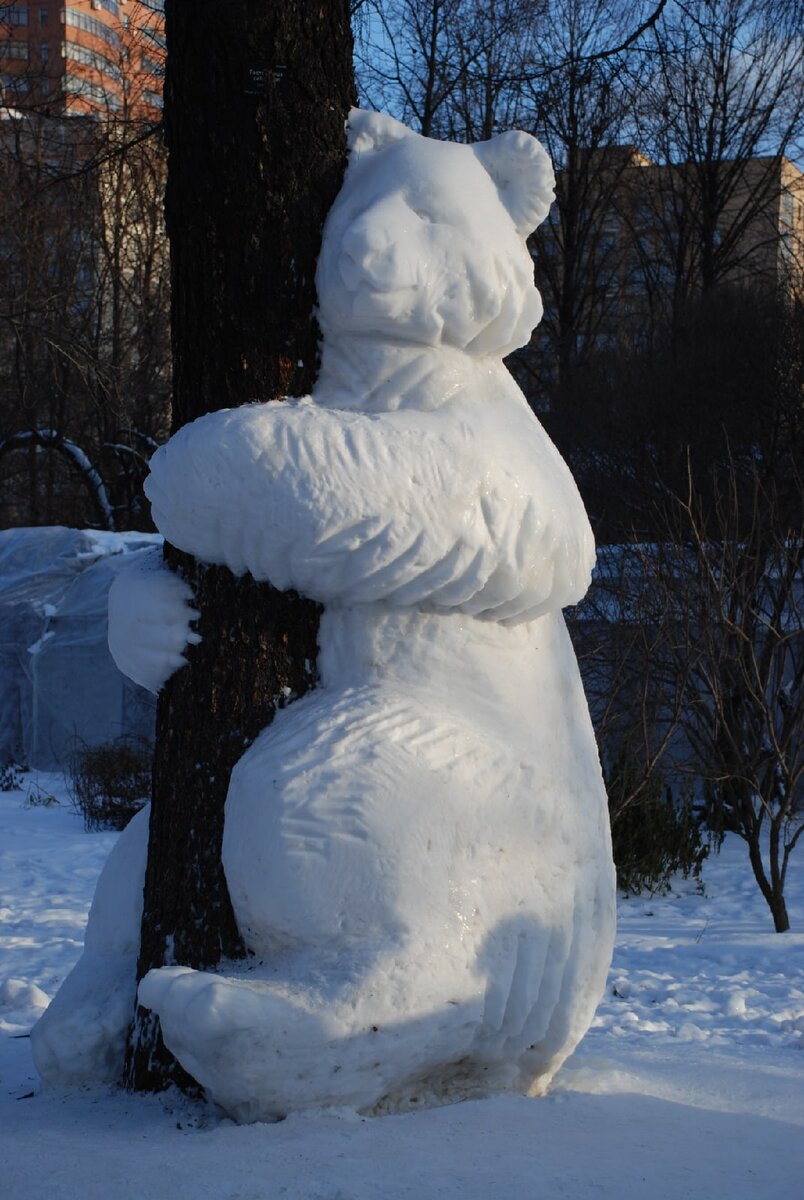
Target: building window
(13, 49)
(787, 210)
(91, 58)
(90, 92)
(154, 35)
(82, 20)
(10, 14)
(16, 83)
(44, 15)
(151, 67)
(44, 50)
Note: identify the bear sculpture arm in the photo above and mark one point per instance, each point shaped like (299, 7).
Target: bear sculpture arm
(408, 508)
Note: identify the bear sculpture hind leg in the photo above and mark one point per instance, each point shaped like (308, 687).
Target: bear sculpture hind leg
(301, 1032)
(81, 1036)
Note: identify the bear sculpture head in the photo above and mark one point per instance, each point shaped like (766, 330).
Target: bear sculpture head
(425, 243)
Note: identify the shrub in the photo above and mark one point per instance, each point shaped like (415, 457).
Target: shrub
(655, 834)
(10, 777)
(111, 783)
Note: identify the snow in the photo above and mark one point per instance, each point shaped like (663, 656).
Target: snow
(58, 685)
(466, 507)
(150, 608)
(641, 1109)
(417, 852)
(426, 241)
(442, 922)
(83, 1032)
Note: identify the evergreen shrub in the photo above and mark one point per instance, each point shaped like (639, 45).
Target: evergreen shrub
(10, 777)
(655, 834)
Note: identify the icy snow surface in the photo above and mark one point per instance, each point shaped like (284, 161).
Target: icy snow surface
(418, 851)
(689, 1084)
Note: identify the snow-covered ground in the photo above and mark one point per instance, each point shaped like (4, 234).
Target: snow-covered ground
(689, 1084)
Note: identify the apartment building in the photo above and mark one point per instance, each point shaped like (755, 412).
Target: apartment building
(87, 58)
(649, 238)
(728, 222)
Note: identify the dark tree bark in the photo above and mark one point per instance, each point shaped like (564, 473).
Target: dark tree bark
(256, 97)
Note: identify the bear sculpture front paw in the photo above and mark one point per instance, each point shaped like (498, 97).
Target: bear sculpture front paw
(150, 611)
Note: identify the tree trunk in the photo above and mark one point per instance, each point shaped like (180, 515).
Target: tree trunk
(256, 97)
(774, 896)
(781, 921)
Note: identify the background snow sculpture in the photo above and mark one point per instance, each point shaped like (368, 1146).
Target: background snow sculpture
(417, 852)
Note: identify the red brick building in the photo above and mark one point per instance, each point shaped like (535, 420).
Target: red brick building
(99, 57)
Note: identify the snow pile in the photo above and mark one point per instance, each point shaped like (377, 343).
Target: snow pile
(58, 685)
(640, 1110)
(418, 851)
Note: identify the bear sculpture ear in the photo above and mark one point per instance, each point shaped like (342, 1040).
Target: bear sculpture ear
(373, 130)
(523, 173)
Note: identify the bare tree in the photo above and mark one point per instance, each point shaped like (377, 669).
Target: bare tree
(733, 579)
(722, 106)
(636, 694)
(581, 89)
(495, 46)
(415, 60)
(84, 281)
(84, 294)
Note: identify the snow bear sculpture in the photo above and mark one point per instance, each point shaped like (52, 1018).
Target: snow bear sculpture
(418, 851)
